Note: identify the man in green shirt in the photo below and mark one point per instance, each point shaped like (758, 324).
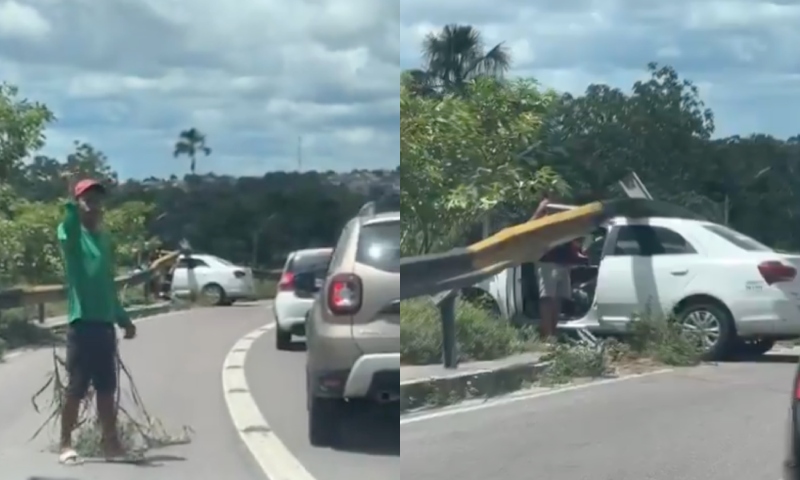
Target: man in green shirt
(94, 311)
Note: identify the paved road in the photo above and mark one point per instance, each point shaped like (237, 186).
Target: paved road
(711, 423)
(371, 447)
(177, 363)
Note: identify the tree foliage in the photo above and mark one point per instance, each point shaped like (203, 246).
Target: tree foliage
(463, 155)
(659, 128)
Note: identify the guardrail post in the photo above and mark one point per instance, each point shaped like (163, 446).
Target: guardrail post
(447, 309)
(41, 315)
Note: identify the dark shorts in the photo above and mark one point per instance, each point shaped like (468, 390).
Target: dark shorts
(91, 358)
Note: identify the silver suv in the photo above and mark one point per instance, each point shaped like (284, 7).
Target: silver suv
(353, 327)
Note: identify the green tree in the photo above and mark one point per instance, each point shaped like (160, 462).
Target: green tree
(191, 143)
(660, 130)
(453, 57)
(463, 156)
(22, 128)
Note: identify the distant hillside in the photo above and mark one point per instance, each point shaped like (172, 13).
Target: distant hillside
(366, 181)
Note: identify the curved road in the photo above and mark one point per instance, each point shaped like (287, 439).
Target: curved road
(709, 423)
(177, 363)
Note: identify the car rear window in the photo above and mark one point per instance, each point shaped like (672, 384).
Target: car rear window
(379, 246)
(739, 239)
(308, 261)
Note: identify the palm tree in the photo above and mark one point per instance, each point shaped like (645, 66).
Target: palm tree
(453, 57)
(190, 143)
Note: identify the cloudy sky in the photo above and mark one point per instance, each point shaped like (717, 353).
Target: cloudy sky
(743, 54)
(254, 75)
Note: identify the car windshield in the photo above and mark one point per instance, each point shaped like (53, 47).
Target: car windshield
(739, 239)
(379, 246)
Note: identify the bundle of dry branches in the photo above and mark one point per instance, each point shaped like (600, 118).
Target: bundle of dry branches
(138, 430)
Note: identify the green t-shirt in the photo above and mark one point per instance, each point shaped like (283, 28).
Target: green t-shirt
(89, 266)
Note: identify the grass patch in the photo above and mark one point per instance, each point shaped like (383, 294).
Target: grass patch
(266, 288)
(479, 334)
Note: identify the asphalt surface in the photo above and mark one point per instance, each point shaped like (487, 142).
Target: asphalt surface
(177, 364)
(709, 423)
(370, 447)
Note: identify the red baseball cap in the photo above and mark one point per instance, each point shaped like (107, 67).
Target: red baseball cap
(87, 184)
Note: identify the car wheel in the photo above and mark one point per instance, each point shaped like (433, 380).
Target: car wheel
(283, 339)
(714, 327)
(755, 347)
(323, 420)
(213, 294)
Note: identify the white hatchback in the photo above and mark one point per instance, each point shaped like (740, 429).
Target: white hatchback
(289, 308)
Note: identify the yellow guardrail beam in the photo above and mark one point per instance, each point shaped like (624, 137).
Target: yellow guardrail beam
(526, 242)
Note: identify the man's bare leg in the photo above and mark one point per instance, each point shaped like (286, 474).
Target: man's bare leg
(548, 311)
(69, 417)
(107, 411)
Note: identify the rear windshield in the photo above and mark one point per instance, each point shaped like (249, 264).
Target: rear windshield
(739, 239)
(379, 246)
(308, 261)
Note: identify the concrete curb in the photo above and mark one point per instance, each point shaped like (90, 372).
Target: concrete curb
(436, 392)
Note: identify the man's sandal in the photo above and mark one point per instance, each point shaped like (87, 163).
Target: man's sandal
(70, 457)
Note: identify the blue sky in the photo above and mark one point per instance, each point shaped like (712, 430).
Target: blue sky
(742, 54)
(254, 75)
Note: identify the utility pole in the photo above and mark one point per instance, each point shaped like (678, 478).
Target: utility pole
(300, 154)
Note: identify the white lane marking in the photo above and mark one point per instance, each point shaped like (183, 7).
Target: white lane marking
(275, 460)
(456, 410)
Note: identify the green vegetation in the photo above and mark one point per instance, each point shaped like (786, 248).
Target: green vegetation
(480, 335)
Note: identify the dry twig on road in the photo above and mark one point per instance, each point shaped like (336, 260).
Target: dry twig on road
(138, 429)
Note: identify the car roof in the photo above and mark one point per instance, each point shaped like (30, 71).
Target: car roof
(384, 217)
(312, 250)
(672, 222)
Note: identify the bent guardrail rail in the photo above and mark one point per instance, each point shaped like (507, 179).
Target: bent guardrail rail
(41, 294)
(461, 267)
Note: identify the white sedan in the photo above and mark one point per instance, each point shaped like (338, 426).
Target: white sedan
(289, 308)
(727, 286)
(216, 279)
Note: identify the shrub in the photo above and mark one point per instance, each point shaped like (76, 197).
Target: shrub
(662, 339)
(480, 335)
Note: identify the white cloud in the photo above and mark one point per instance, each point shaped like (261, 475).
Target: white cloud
(22, 22)
(128, 75)
(740, 53)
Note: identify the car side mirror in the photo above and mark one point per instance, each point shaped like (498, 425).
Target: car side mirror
(305, 284)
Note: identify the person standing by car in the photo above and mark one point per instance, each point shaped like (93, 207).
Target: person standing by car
(552, 273)
(94, 310)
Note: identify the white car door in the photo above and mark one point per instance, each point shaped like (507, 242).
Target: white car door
(646, 270)
(185, 279)
(180, 278)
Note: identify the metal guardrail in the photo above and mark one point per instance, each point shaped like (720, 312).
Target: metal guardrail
(42, 294)
(444, 274)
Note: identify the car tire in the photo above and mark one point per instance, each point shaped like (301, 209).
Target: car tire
(324, 415)
(726, 339)
(214, 293)
(283, 339)
(755, 347)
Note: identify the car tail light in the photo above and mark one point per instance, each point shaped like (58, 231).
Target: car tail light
(286, 283)
(774, 271)
(239, 274)
(797, 389)
(345, 294)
